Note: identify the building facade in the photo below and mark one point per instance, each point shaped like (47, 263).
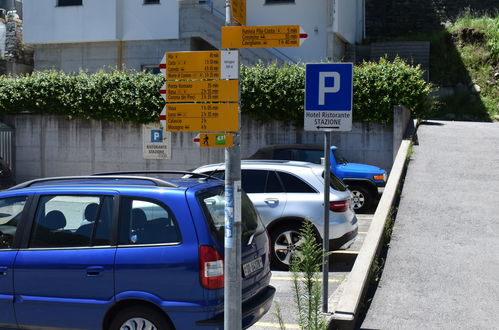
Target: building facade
(70, 35)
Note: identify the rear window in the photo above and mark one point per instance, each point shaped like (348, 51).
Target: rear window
(213, 204)
(335, 183)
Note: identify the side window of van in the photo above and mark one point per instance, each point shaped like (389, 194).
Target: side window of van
(146, 222)
(72, 221)
(11, 209)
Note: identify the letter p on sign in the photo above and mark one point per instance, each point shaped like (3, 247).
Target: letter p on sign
(323, 89)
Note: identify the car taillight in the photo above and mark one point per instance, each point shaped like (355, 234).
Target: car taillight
(211, 265)
(339, 206)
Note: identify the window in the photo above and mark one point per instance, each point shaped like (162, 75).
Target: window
(72, 221)
(10, 213)
(146, 222)
(64, 3)
(294, 185)
(304, 155)
(273, 183)
(253, 181)
(213, 204)
(279, 1)
(151, 68)
(151, 2)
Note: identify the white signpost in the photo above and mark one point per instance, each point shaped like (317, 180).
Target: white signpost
(328, 108)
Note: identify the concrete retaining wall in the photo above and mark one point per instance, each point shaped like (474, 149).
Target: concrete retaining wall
(54, 146)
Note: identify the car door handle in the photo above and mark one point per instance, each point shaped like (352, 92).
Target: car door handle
(95, 270)
(271, 201)
(3, 271)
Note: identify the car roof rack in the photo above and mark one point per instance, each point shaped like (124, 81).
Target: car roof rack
(195, 175)
(156, 181)
(201, 176)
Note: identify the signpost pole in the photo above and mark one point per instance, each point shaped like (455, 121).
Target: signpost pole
(325, 267)
(232, 266)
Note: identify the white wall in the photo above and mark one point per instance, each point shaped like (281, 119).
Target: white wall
(149, 22)
(44, 22)
(309, 14)
(99, 20)
(348, 20)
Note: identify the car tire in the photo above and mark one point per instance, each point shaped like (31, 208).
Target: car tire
(283, 241)
(139, 318)
(362, 198)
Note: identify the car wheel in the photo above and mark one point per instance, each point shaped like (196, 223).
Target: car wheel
(284, 240)
(362, 198)
(139, 318)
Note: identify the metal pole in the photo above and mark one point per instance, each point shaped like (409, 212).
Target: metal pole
(232, 265)
(325, 240)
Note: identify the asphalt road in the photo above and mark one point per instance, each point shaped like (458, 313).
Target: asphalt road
(341, 263)
(442, 267)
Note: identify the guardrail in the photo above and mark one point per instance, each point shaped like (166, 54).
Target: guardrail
(346, 311)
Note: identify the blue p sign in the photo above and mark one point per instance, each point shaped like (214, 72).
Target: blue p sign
(156, 135)
(328, 87)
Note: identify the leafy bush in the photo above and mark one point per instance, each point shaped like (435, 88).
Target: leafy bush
(273, 93)
(277, 93)
(116, 96)
(379, 86)
(267, 93)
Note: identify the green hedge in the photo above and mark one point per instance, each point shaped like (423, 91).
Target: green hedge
(273, 92)
(267, 93)
(115, 96)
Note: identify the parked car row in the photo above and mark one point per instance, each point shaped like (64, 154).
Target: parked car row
(145, 250)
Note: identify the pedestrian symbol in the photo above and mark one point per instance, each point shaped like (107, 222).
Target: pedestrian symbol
(205, 140)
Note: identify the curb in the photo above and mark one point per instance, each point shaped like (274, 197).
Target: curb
(346, 303)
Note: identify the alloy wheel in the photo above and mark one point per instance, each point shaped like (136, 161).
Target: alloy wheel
(138, 323)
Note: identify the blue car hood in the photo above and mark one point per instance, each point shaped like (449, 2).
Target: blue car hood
(360, 168)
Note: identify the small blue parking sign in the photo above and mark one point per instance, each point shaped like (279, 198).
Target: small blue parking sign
(156, 135)
(328, 97)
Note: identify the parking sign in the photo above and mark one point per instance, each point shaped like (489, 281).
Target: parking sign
(328, 97)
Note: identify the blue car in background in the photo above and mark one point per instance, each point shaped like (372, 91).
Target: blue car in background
(362, 180)
(124, 251)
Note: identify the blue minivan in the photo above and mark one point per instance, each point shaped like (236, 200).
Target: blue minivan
(124, 251)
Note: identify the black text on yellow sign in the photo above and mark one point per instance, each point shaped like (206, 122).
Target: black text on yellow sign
(215, 140)
(260, 36)
(193, 65)
(238, 8)
(202, 91)
(204, 117)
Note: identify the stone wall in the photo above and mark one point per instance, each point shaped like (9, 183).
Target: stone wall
(55, 146)
(402, 17)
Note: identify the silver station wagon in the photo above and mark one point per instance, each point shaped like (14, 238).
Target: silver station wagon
(286, 193)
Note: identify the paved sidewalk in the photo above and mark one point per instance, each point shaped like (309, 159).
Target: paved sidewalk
(442, 267)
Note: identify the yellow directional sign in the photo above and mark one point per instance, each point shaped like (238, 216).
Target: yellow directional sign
(192, 65)
(207, 117)
(262, 36)
(202, 91)
(238, 8)
(215, 140)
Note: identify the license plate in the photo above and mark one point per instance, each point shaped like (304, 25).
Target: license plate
(252, 266)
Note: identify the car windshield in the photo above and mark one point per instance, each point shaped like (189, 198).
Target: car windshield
(339, 157)
(213, 203)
